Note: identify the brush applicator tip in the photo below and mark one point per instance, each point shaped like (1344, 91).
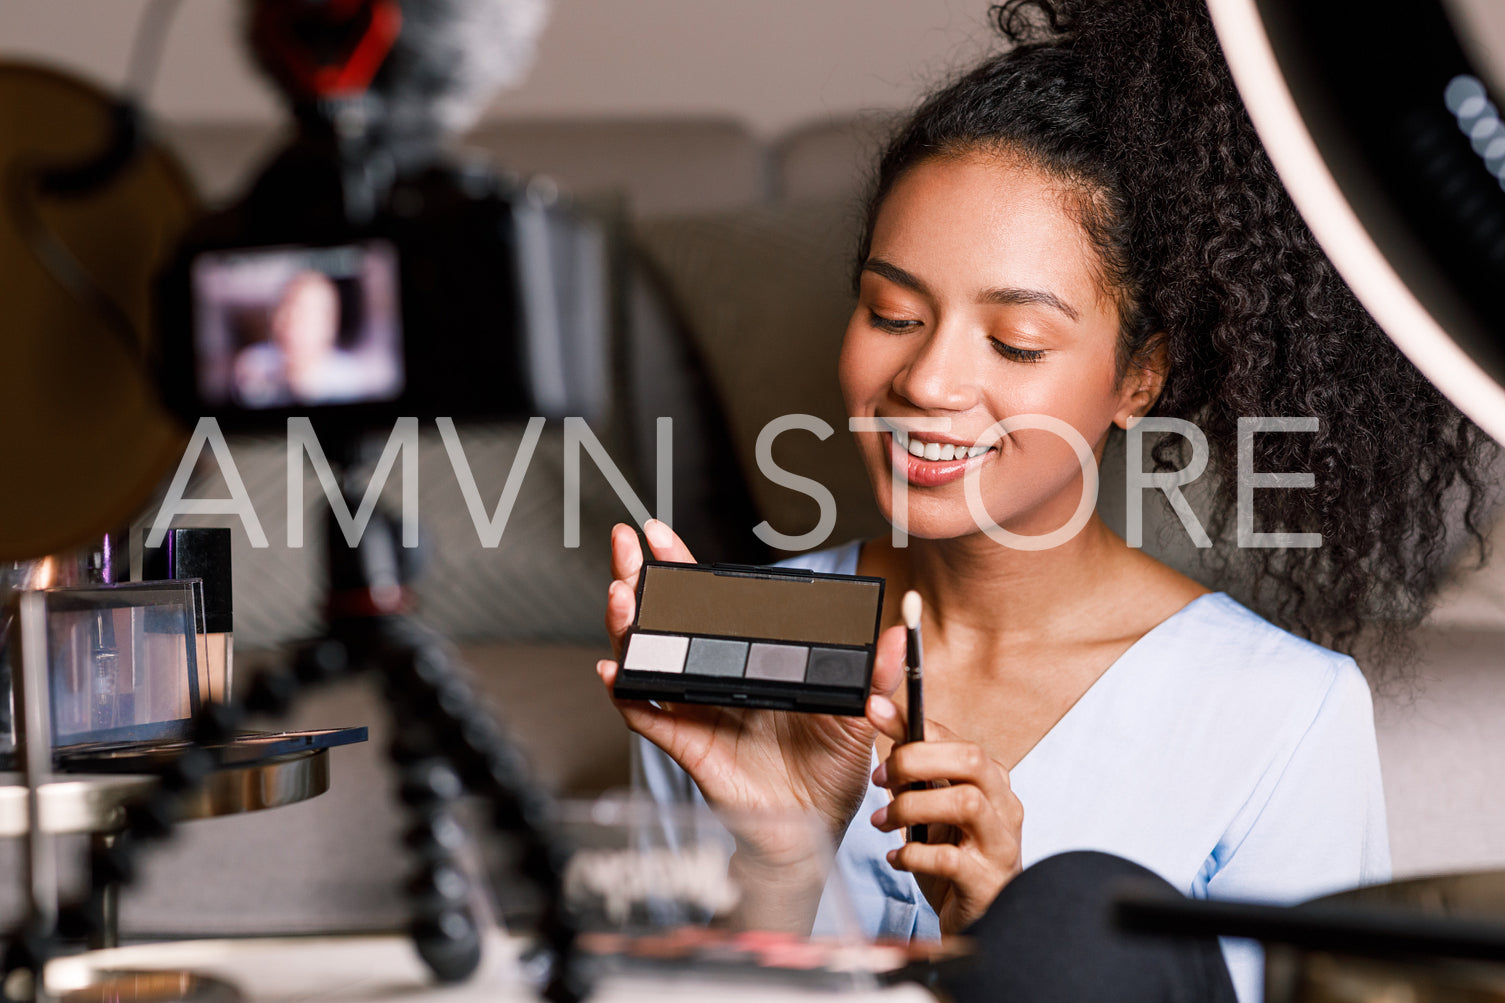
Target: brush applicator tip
(911, 608)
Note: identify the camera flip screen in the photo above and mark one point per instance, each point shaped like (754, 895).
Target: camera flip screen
(277, 327)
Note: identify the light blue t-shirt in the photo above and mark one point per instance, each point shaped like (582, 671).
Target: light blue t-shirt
(1230, 757)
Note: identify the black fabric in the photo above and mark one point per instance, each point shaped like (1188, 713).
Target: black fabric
(1049, 936)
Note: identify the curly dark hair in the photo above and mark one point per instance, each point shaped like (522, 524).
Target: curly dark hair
(1130, 103)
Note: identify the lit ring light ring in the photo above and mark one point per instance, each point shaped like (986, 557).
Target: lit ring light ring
(1413, 325)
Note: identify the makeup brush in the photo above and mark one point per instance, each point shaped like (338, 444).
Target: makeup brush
(914, 691)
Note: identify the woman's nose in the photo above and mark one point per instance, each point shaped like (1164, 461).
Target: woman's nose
(941, 374)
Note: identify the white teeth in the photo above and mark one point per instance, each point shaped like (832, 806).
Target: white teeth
(935, 450)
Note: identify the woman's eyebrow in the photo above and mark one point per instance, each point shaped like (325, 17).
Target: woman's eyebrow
(1003, 296)
(1009, 296)
(896, 275)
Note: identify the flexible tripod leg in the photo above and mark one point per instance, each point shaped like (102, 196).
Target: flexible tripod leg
(446, 714)
(443, 926)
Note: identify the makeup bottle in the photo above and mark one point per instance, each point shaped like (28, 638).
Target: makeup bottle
(203, 553)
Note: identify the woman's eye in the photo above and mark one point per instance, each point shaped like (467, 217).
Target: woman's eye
(890, 324)
(1017, 354)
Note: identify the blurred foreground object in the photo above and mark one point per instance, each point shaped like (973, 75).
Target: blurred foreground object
(85, 439)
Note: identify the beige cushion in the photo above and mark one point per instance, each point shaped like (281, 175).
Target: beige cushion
(661, 166)
(1473, 597)
(765, 294)
(831, 159)
(1442, 752)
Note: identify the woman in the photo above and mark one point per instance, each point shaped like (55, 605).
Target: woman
(301, 362)
(1086, 228)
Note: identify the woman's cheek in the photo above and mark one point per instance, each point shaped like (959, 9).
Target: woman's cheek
(1075, 394)
(862, 365)
(844, 371)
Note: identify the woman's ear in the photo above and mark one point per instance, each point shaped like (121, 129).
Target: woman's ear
(1143, 382)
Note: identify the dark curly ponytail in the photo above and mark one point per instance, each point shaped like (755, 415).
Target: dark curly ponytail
(1131, 103)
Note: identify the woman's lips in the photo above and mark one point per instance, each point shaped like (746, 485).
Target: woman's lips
(932, 473)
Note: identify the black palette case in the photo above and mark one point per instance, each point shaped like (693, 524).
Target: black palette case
(743, 636)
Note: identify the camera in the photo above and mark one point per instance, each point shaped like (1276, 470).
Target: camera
(353, 288)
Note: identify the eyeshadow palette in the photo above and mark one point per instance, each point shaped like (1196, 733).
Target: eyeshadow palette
(740, 636)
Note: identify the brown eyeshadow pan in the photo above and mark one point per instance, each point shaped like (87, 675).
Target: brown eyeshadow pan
(679, 599)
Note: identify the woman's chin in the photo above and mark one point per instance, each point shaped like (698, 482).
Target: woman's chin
(929, 526)
(933, 518)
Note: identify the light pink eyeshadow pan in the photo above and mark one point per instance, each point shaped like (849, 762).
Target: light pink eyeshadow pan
(656, 653)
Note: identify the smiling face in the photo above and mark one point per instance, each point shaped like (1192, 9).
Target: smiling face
(306, 321)
(980, 300)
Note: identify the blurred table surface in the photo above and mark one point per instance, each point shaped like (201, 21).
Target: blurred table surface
(384, 967)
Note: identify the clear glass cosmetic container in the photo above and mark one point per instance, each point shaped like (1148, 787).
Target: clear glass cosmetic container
(203, 553)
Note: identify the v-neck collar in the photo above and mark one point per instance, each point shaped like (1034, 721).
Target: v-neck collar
(1115, 669)
(854, 555)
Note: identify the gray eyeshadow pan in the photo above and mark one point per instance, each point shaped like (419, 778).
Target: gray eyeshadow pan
(713, 657)
(781, 662)
(837, 667)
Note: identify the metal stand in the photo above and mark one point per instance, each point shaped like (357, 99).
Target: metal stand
(95, 804)
(28, 950)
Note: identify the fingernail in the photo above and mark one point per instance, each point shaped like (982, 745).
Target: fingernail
(880, 817)
(883, 706)
(658, 533)
(880, 775)
(891, 856)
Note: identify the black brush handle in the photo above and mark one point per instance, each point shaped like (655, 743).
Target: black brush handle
(916, 698)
